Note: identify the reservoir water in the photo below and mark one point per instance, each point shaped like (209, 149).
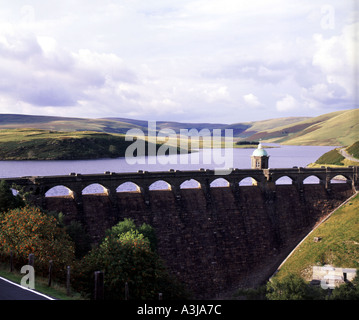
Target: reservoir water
(280, 156)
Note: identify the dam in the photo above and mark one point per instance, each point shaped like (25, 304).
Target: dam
(214, 239)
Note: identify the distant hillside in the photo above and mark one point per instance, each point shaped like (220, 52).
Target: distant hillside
(122, 125)
(16, 121)
(336, 128)
(31, 144)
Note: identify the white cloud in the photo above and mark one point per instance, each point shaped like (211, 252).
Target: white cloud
(190, 60)
(287, 103)
(251, 100)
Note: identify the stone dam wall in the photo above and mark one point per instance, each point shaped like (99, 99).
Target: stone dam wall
(218, 240)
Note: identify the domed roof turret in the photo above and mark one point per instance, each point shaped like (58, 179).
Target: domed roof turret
(260, 152)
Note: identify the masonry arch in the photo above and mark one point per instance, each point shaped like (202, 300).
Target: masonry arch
(339, 179)
(248, 181)
(128, 186)
(313, 179)
(160, 185)
(190, 184)
(219, 182)
(95, 188)
(284, 180)
(58, 191)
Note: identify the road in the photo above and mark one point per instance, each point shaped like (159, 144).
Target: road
(12, 291)
(347, 155)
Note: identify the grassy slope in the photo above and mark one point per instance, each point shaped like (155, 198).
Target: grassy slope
(335, 128)
(31, 144)
(342, 129)
(334, 157)
(354, 149)
(339, 245)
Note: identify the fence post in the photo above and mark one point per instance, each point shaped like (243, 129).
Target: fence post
(11, 262)
(31, 259)
(127, 292)
(68, 281)
(99, 285)
(50, 273)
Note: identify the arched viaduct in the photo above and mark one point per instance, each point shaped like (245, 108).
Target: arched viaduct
(38, 186)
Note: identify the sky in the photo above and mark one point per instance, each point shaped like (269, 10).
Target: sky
(218, 61)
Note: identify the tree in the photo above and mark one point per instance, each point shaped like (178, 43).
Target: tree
(127, 257)
(128, 225)
(28, 230)
(292, 287)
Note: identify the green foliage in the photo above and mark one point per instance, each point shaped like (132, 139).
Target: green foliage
(347, 291)
(126, 257)
(7, 199)
(128, 225)
(247, 143)
(292, 287)
(354, 149)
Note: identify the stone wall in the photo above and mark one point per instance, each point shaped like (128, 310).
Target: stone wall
(218, 241)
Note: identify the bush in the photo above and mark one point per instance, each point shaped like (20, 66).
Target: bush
(29, 230)
(126, 257)
(347, 291)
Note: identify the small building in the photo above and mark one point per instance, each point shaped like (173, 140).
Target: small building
(330, 277)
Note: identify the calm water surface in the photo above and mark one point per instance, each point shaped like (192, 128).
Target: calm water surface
(280, 157)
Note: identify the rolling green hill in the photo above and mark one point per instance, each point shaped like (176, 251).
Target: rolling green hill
(121, 125)
(340, 128)
(335, 128)
(35, 144)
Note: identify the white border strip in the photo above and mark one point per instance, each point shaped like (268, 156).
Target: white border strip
(24, 288)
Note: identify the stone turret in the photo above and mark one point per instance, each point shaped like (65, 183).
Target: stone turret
(259, 158)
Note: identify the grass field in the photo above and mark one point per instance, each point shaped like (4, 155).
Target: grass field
(339, 244)
(56, 290)
(33, 144)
